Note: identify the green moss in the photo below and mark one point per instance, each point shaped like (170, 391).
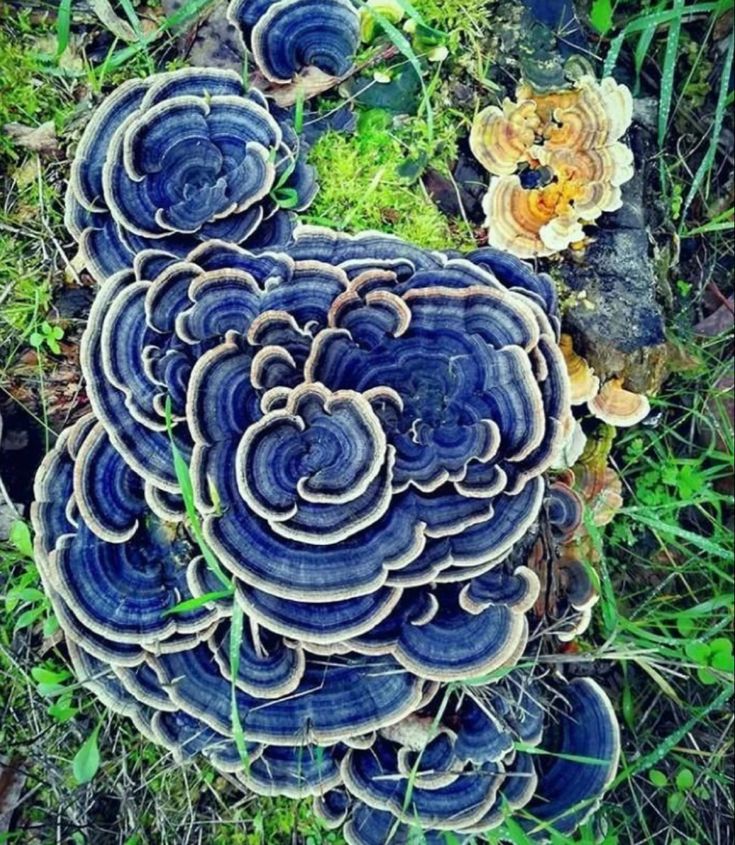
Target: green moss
(26, 293)
(457, 17)
(25, 95)
(362, 187)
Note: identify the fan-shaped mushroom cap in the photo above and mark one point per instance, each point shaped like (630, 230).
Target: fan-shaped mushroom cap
(572, 448)
(594, 115)
(583, 382)
(587, 749)
(532, 223)
(502, 138)
(288, 36)
(366, 426)
(176, 159)
(436, 788)
(575, 164)
(617, 406)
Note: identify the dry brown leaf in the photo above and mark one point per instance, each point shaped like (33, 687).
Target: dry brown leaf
(119, 28)
(310, 83)
(39, 139)
(12, 781)
(718, 321)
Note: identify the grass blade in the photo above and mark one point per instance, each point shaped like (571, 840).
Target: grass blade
(238, 734)
(187, 13)
(722, 222)
(667, 76)
(720, 110)
(658, 754)
(671, 529)
(193, 604)
(63, 27)
(187, 493)
(656, 19)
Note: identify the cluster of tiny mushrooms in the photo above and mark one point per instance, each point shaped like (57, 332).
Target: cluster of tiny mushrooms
(335, 597)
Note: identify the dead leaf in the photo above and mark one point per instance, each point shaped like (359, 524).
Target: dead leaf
(72, 59)
(214, 43)
(719, 321)
(309, 83)
(26, 175)
(39, 139)
(119, 28)
(12, 781)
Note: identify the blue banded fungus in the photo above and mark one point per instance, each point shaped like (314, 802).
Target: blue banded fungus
(288, 37)
(179, 158)
(367, 427)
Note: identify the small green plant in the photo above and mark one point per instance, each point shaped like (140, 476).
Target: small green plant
(711, 658)
(25, 602)
(51, 683)
(87, 760)
(47, 337)
(679, 790)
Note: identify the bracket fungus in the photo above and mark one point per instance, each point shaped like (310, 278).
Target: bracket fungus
(179, 158)
(617, 406)
(462, 764)
(367, 426)
(557, 163)
(292, 38)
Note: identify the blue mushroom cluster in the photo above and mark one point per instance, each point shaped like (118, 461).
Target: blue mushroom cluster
(366, 427)
(180, 158)
(288, 37)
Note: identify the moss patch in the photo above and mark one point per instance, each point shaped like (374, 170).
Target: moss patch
(362, 187)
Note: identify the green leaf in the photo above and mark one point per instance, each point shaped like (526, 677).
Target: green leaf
(62, 711)
(674, 802)
(20, 538)
(42, 675)
(132, 16)
(685, 624)
(706, 678)
(63, 27)
(697, 652)
(238, 734)
(187, 493)
(298, 115)
(684, 780)
(574, 758)
(720, 644)
(193, 604)
(667, 75)
(50, 626)
(658, 778)
(28, 617)
(601, 16)
(723, 661)
(87, 760)
(286, 197)
(26, 594)
(512, 830)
